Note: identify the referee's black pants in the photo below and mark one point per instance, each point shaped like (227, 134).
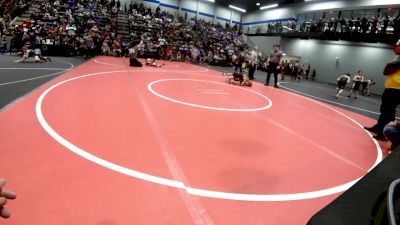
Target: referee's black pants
(390, 101)
(252, 70)
(272, 68)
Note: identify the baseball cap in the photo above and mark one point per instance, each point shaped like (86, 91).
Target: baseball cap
(398, 43)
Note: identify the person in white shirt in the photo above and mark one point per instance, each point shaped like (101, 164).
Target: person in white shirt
(253, 61)
(357, 80)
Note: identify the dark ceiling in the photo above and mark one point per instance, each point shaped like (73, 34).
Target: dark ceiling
(250, 5)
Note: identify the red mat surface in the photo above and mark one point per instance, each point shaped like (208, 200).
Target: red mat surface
(107, 144)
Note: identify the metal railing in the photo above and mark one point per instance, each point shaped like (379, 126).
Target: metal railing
(392, 197)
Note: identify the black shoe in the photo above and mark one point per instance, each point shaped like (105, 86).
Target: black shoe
(276, 86)
(265, 84)
(380, 137)
(371, 129)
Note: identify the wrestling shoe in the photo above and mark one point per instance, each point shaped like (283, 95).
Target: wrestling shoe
(380, 137)
(371, 129)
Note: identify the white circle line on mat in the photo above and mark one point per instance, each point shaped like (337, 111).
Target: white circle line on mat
(150, 88)
(177, 184)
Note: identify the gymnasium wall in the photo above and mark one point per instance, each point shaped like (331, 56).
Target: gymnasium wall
(264, 43)
(170, 6)
(206, 11)
(352, 56)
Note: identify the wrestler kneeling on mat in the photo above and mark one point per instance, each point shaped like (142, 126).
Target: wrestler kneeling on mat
(133, 53)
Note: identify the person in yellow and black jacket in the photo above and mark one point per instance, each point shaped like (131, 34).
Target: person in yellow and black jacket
(390, 97)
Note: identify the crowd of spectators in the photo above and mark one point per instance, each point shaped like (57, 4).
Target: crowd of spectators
(79, 27)
(176, 38)
(89, 27)
(9, 9)
(364, 25)
(380, 24)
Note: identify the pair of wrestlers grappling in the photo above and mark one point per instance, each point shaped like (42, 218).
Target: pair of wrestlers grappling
(235, 78)
(27, 53)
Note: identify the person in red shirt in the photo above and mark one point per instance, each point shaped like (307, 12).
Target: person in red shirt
(170, 53)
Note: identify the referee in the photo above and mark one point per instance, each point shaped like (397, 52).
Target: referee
(275, 62)
(390, 96)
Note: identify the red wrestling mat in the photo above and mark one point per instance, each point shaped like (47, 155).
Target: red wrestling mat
(107, 144)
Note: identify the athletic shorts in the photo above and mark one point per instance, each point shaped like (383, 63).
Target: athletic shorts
(341, 84)
(357, 85)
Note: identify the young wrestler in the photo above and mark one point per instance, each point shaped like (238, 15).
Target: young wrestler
(26, 53)
(241, 79)
(39, 57)
(357, 79)
(133, 53)
(152, 62)
(342, 82)
(366, 84)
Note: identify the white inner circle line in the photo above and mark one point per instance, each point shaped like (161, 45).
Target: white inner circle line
(176, 184)
(150, 88)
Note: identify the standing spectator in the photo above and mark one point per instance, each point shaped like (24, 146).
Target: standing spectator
(236, 63)
(308, 68)
(374, 25)
(390, 96)
(295, 71)
(313, 75)
(253, 61)
(118, 5)
(89, 46)
(275, 62)
(179, 56)
(385, 24)
(396, 26)
(364, 25)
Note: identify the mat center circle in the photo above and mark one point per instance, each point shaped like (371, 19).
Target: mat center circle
(210, 95)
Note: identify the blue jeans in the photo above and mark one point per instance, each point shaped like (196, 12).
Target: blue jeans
(393, 135)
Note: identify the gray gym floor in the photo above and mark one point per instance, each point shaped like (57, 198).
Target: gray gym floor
(364, 105)
(19, 79)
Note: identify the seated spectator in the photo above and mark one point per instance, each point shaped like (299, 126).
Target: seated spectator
(105, 49)
(392, 133)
